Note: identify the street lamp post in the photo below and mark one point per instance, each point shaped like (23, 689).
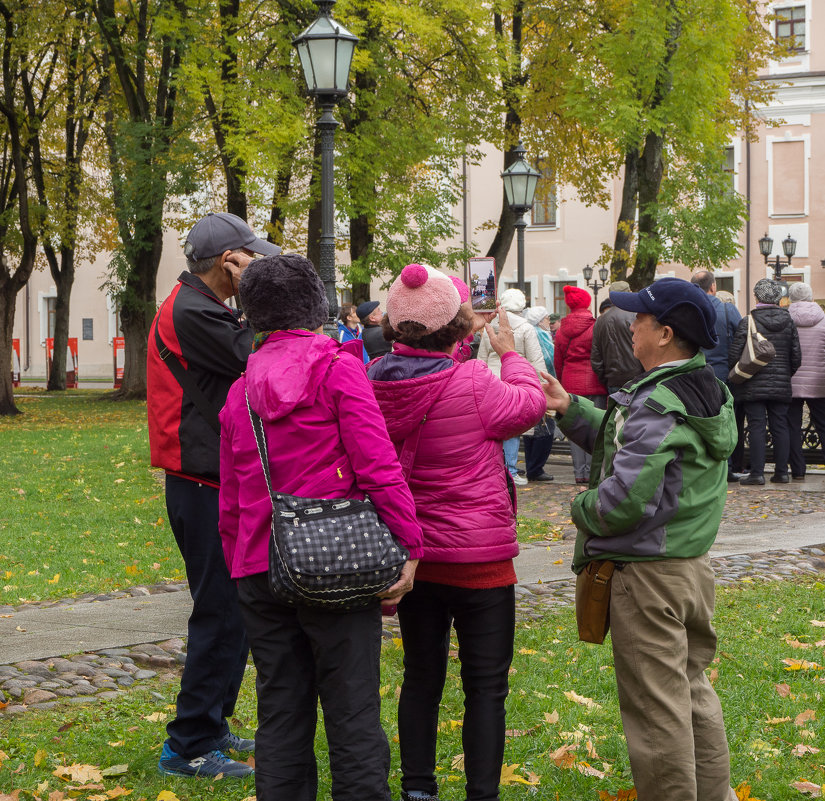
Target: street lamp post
(587, 272)
(520, 181)
(788, 248)
(325, 49)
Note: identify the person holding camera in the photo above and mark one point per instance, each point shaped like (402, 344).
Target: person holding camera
(197, 347)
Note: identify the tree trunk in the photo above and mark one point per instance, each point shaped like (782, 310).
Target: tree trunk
(651, 169)
(8, 300)
(64, 281)
(277, 216)
(623, 243)
(361, 238)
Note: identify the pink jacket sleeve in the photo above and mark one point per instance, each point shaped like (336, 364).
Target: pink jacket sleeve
(229, 501)
(510, 405)
(372, 454)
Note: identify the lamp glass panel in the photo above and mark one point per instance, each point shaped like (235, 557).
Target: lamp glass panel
(587, 272)
(603, 275)
(306, 64)
(322, 53)
(765, 245)
(789, 246)
(343, 62)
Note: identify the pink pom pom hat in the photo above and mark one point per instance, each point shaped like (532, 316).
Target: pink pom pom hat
(422, 295)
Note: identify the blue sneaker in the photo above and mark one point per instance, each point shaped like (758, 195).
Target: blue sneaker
(211, 765)
(236, 743)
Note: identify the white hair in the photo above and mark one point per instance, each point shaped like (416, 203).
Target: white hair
(798, 291)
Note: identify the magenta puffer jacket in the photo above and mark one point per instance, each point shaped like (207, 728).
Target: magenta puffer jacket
(458, 478)
(326, 439)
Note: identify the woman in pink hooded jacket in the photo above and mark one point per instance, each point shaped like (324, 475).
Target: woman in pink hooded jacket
(454, 417)
(326, 438)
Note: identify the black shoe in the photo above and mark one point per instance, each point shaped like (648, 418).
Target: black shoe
(408, 797)
(798, 478)
(540, 477)
(734, 477)
(752, 479)
(780, 478)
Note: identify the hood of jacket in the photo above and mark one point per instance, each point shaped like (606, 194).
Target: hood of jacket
(406, 386)
(771, 318)
(806, 313)
(577, 322)
(301, 359)
(693, 392)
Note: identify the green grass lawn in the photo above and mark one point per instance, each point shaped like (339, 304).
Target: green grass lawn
(563, 718)
(82, 510)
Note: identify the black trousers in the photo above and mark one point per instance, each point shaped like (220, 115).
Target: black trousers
(302, 655)
(216, 650)
(761, 415)
(816, 409)
(484, 621)
(537, 449)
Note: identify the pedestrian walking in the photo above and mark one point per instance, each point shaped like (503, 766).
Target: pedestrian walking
(653, 509)
(808, 382)
(527, 344)
(457, 414)
(326, 439)
(197, 347)
(574, 371)
(766, 396)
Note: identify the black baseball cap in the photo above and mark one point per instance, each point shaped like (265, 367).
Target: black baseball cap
(221, 231)
(677, 303)
(366, 309)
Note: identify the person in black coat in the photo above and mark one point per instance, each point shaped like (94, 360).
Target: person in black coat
(767, 395)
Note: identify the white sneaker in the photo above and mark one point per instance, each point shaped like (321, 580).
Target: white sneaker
(520, 481)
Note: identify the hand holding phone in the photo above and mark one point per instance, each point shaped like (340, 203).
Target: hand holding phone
(503, 341)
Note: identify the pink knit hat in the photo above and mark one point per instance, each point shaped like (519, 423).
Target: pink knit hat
(577, 298)
(463, 289)
(422, 295)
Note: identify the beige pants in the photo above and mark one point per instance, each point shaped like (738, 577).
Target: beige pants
(660, 615)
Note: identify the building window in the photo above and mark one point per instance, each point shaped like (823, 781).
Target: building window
(559, 306)
(88, 328)
(729, 169)
(790, 27)
(724, 283)
(544, 202)
(51, 316)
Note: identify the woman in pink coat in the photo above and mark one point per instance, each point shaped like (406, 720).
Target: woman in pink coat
(450, 419)
(326, 438)
(573, 343)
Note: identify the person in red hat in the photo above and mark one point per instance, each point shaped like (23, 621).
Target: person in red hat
(571, 359)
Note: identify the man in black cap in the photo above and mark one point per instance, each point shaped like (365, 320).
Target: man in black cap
(370, 314)
(654, 512)
(197, 348)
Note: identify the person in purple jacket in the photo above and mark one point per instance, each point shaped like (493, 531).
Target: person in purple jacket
(458, 414)
(326, 439)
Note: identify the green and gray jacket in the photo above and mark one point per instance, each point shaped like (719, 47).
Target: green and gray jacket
(658, 479)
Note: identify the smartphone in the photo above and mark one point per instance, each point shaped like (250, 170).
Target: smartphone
(483, 284)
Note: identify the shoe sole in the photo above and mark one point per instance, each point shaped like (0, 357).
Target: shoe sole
(169, 772)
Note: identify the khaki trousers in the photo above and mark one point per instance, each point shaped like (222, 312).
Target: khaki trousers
(660, 617)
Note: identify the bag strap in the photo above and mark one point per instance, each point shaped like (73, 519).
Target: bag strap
(260, 441)
(187, 383)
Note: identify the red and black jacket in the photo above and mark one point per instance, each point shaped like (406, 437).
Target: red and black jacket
(213, 345)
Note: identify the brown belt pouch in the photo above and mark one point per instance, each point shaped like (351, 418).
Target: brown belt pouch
(593, 600)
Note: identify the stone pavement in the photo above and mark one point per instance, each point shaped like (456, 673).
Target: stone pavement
(771, 532)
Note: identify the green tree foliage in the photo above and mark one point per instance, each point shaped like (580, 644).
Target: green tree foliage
(664, 85)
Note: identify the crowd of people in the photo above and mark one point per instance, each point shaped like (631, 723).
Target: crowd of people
(421, 408)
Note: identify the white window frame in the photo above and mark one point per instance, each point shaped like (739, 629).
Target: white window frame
(806, 140)
(799, 61)
(43, 309)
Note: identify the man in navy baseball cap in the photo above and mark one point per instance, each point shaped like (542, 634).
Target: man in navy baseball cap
(676, 303)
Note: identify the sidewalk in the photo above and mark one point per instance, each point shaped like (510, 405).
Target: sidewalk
(40, 633)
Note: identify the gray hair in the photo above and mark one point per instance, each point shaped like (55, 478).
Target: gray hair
(798, 291)
(203, 266)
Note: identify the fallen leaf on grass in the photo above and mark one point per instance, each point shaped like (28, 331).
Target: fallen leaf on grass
(818, 623)
(580, 699)
(115, 770)
(803, 717)
(509, 776)
(562, 757)
(783, 690)
(813, 790)
(776, 721)
(622, 795)
(166, 795)
(794, 643)
(156, 717)
(801, 750)
(457, 762)
(713, 676)
(800, 664)
(13, 797)
(523, 732)
(587, 769)
(78, 773)
(759, 748)
(551, 717)
(743, 793)
(3, 757)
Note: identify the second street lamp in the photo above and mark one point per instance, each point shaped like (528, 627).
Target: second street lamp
(325, 49)
(788, 248)
(587, 272)
(520, 181)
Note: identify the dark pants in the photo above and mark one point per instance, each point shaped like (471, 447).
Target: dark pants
(775, 415)
(736, 463)
(302, 655)
(216, 649)
(484, 622)
(537, 449)
(816, 409)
